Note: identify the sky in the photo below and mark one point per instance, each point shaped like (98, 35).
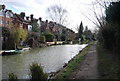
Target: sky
(38, 8)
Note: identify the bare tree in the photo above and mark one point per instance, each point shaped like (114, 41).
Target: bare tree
(77, 27)
(97, 12)
(57, 13)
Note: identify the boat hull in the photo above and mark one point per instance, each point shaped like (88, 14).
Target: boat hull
(11, 52)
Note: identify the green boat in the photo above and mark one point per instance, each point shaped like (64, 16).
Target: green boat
(10, 52)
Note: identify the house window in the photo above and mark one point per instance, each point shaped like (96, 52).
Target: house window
(2, 13)
(11, 15)
(2, 22)
(29, 27)
(7, 22)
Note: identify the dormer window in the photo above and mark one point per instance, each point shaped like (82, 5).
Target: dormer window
(7, 14)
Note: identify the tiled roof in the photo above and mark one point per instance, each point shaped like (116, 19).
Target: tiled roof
(17, 16)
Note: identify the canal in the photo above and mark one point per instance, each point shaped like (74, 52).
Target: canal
(51, 59)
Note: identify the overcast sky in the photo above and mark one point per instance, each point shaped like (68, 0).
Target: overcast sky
(38, 8)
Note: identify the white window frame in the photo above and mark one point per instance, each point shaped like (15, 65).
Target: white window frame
(8, 14)
(3, 22)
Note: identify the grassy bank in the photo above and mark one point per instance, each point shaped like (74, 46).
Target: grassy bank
(72, 65)
(107, 64)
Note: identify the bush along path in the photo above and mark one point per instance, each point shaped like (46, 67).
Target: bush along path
(108, 64)
(88, 68)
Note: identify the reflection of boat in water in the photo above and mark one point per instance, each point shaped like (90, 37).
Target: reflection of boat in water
(17, 51)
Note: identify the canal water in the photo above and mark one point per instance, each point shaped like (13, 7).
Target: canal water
(51, 59)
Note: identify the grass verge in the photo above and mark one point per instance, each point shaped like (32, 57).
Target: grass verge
(107, 64)
(72, 65)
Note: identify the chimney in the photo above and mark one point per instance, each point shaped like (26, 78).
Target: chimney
(46, 21)
(22, 15)
(10, 11)
(40, 19)
(31, 16)
(27, 18)
(3, 7)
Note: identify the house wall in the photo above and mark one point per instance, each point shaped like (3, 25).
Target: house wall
(1, 21)
(6, 18)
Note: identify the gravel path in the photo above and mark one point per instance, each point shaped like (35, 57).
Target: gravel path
(88, 68)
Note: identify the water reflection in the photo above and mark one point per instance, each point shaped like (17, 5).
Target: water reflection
(51, 58)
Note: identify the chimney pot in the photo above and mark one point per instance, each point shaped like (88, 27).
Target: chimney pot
(3, 7)
(22, 15)
(46, 21)
(40, 19)
(27, 18)
(31, 16)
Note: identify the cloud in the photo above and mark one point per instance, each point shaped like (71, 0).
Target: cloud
(22, 4)
(29, 6)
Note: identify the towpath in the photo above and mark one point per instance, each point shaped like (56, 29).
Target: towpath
(88, 69)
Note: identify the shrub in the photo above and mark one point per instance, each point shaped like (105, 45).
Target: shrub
(42, 39)
(111, 33)
(12, 77)
(84, 40)
(109, 37)
(8, 39)
(49, 37)
(63, 37)
(37, 73)
(75, 41)
(33, 40)
(19, 33)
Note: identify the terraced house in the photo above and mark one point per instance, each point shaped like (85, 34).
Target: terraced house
(6, 16)
(57, 29)
(8, 19)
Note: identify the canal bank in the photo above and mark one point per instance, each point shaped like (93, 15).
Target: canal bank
(70, 68)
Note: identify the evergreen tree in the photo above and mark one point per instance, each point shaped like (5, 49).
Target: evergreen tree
(86, 29)
(113, 21)
(35, 26)
(80, 30)
(113, 12)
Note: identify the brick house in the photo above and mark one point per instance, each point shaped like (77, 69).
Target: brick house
(49, 26)
(20, 21)
(70, 34)
(57, 29)
(6, 17)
